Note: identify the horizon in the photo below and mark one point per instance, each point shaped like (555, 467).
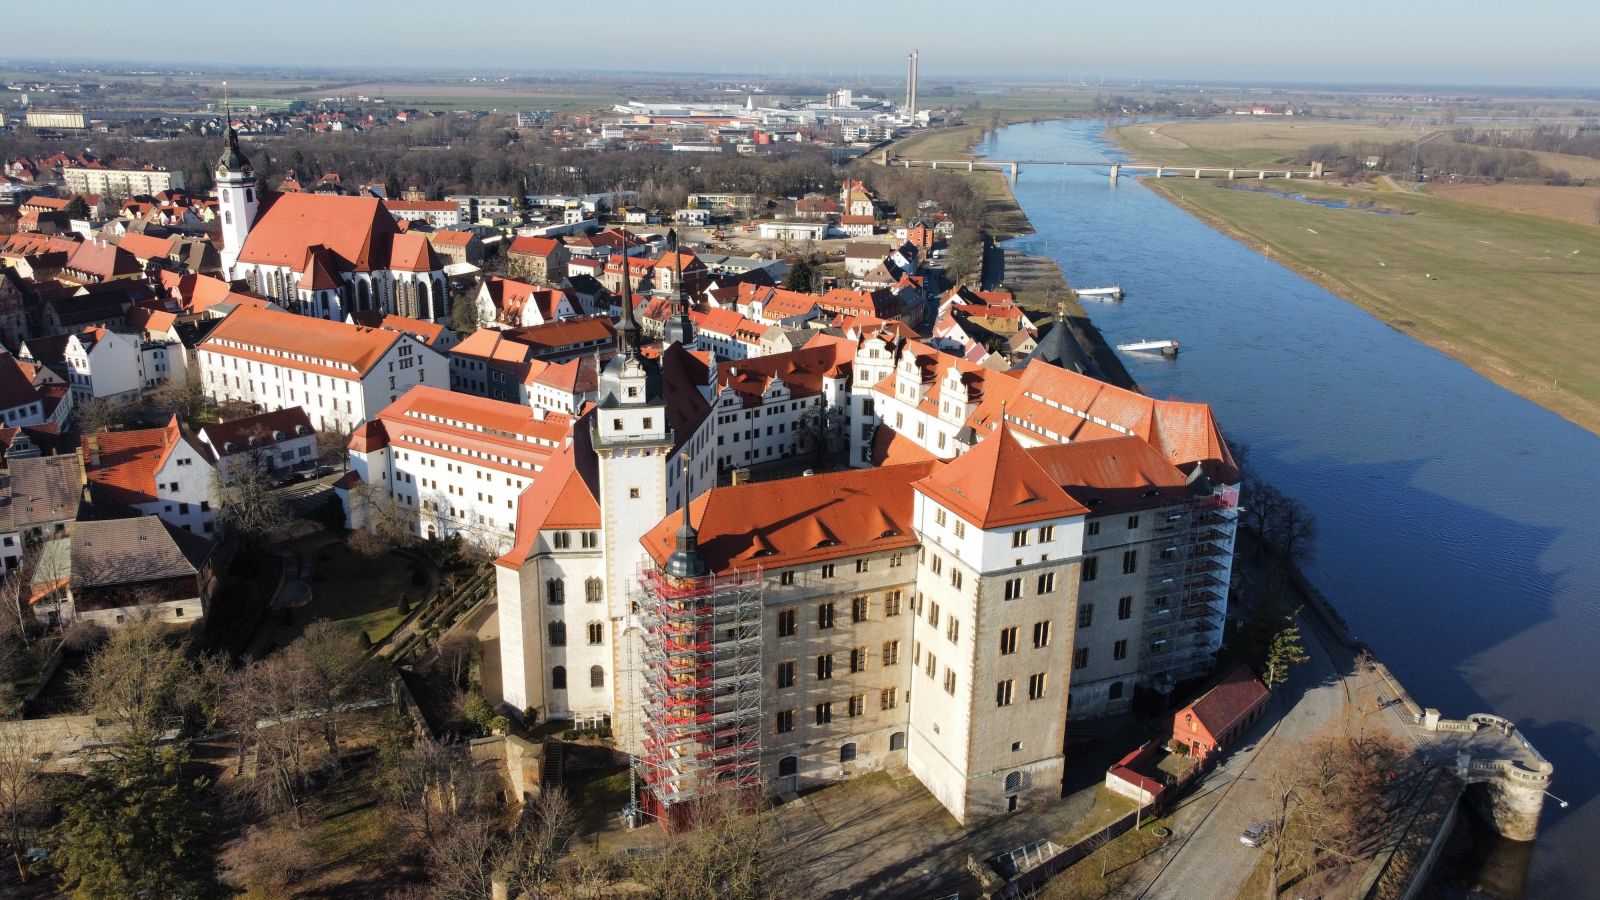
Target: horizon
(1430, 43)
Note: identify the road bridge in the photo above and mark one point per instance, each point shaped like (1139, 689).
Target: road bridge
(1013, 167)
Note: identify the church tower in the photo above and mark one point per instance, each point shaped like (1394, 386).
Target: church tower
(679, 328)
(632, 442)
(237, 198)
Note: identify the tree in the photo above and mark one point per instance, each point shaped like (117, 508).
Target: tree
(135, 680)
(136, 827)
(801, 275)
(76, 208)
(271, 861)
(21, 787)
(823, 429)
(99, 414)
(1295, 532)
(1263, 504)
(185, 400)
(965, 261)
(1284, 652)
(528, 863)
(465, 315)
(247, 505)
(729, 853)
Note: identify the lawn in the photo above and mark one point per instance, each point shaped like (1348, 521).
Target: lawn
(940, 143)
(358, 592)
(1511, 295)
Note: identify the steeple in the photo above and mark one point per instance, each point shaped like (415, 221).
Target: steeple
(685, 561)
(629, 377)
(233, 161)
(628, 329)
(679, 327)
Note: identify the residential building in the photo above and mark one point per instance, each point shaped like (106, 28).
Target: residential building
(41, 496)
(437, 213)
(96, 362)
(120, 181)
(341, 374)
(540, 260)
(124, 568)
(457, 246)
(166, 472)
(270, 442)
(512, 304)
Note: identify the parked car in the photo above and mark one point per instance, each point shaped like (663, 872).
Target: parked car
(1256, 834)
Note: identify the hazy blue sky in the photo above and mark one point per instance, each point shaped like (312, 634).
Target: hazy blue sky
(1536, 42)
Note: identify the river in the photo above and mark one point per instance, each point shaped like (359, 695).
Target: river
(1459, 523)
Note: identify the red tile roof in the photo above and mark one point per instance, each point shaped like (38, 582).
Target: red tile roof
(997, 484)
(1230, 699)
(122, 465)
(532, 246)
(356, 228)
(277, 338)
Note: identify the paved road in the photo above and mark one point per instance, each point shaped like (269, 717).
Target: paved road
(1205, 848)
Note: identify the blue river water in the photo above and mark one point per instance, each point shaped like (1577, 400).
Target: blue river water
(1459, 523)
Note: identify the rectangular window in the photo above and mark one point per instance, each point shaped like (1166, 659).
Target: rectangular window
(1130, 562)
(1019, 538)
(786, 578)
(932, 668)
(785, 721)
(937, 564)
(858, 609)
(825, 615)
(1125, 608)
(955, 579)
(824, 712)
(949, 681)
(786, 673)
(891, 604)
(891, 653)
(1092, 528)
(961, 525)
(1085, 615)
(1013, 588)
(858, 705)
(894, 561)
(1091, 568)
(1036, 686)
(1080, 658)
(888, 698)
(825, 667)
(1133, 522)
(1047, 533)
(933, 613)
(786, 623)
(1041, 634)
(1008, 641)
(952, 629)
(827, 571)
(858, 660)
(1119, 650)
(1002, 692)
(1047, 582)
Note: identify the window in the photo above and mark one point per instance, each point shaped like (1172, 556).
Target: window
(827, 571)
(591, 539)
(593, 590)
(558, 634)
(825, 613)
(558, 678)
(955, 578)
(1092, 528)
(786, 673)
(858, 660)
(952, 629)
(786, 578)
(1002, 692)
(858, 609)
(1036, 686)
(861, 566)
(961, 526)
(1041, 634)
(1019, 538)
(857, 706)
(1085, 615)
(933, 613)
(888, 698)
(1080, 658)
(825, 667)
(1008, 641)
(1116, 691)
(1125, 608)
(938, 517)
(785, 724)
(891, 604)
(555, 591)
(895, 560)
(1013, 588)
(1047, 533)
(597, 634)
(932, 668)
(1047, 583)
(1119, 650)
(1133, 522)
(597, 676)
(1130, 562)
(897, 741)
(563, 540)
(633, 492)
(786, 623)
(847, 753)
(949, 680)
(937, 564)
(824, 712)
(1091, 568)
(891, 653)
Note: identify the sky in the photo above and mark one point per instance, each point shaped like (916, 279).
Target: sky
(1456, 42)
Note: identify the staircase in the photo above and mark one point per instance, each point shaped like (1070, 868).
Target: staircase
(554, 764)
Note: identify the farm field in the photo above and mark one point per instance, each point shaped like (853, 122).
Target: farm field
(1571, 204)
(1509, 294)
(1244, 142)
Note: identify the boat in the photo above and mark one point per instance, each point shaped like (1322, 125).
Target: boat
(1105, 294)
(1165, 348)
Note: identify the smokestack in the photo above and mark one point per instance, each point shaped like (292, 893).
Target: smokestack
(912, 87)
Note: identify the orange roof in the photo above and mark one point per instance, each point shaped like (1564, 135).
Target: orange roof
(122, 465)
(143, 246)
(512, 297)
(413, 253)
(285, 339)
(1110, 475)
(356, 228)
(1231, 698)
(427, 332)
(565, 332)
(724, 322)
(451, 238)
(798, 520)
(558, 498)
(513, 428)
(996, 484)
(532, 246)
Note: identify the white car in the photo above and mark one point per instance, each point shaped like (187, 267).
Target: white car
(1256, 834)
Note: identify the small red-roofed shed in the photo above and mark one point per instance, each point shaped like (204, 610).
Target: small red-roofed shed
(1221, 715)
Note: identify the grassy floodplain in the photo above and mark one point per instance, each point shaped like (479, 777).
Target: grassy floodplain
(1514, 296)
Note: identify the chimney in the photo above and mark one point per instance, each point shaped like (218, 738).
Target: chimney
(94, 452)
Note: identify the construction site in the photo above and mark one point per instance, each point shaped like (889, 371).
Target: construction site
(1188, 592)
(701, 665)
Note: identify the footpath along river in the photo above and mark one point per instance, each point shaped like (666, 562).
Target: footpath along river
(1460, 523)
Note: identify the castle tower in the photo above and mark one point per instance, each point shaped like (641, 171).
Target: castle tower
(679, 328)
(237, 199)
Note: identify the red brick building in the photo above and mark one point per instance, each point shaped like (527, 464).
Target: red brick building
(1212, 723)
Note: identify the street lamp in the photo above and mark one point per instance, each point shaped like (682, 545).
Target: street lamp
(1557, 799)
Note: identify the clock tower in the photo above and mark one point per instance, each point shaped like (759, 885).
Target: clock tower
(237, 198)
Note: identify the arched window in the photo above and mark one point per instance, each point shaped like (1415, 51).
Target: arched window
(424, 301)
(249, 195)
(897, 741)
(227, 217)
(363, 294)
(787, 766)
(442, 298)
(558, 634)
(594, 591)
(555, 591)
(597, 633)
(558, 678)
(847, 753)
(1013, 782)
(597, 676)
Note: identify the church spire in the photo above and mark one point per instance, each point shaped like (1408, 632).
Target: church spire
(628, 329)
(233, 160)
(680, 327)
(686, 561)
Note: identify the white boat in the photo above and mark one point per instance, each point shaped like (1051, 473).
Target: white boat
(1165, 348)
(1104, 294)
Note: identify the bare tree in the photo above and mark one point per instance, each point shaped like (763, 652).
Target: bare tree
(271, 861)
(99, 414)
(729, 852)
(1295, 533)
(528, 862)
(135, 679)
(247, 505)
(21, 786)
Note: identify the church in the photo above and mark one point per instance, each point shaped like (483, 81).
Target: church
(323, 255)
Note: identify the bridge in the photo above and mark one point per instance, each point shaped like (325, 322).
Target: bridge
(1013, 167)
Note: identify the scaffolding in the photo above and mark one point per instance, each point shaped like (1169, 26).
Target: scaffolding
(701, 691)
(1188, 587)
